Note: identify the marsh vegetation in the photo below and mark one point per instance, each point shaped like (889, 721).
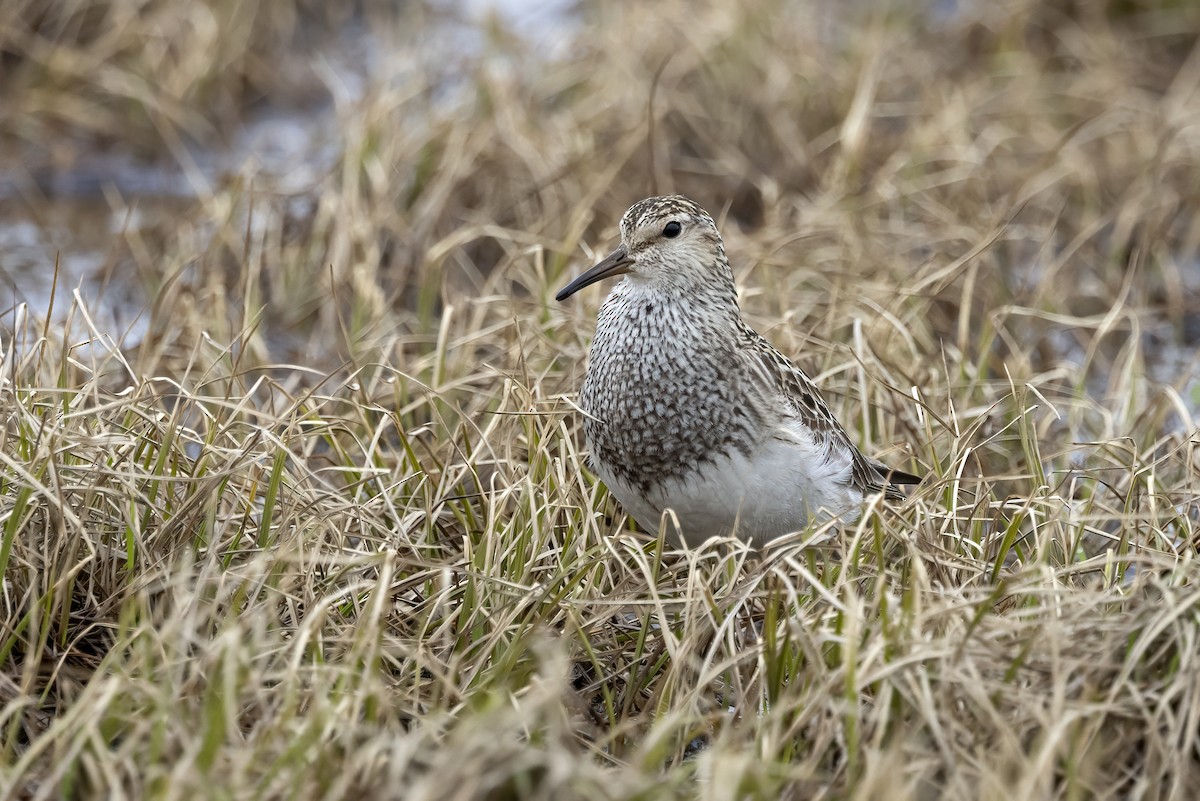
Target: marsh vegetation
(293, 502)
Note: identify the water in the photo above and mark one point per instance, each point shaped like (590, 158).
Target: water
(70, 216)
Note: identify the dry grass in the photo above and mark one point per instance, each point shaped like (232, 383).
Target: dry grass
(325, 531)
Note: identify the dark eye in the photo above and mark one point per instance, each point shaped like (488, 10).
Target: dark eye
(672, 229)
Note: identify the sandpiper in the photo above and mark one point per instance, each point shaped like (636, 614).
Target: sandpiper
(689, 409)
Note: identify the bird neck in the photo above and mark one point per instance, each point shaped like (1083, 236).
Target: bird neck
(708, 292)
(710, 301)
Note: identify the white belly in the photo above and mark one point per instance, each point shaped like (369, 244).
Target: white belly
(780, 488)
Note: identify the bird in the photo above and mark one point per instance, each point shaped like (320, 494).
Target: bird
(689, 410)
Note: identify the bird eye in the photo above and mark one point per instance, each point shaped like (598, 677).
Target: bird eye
(672, 229)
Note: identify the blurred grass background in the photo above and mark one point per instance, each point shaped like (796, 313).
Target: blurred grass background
(293, 502)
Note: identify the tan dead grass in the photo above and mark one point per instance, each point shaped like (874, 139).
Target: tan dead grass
(327, 532)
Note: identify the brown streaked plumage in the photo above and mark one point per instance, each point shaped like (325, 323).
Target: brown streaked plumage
(689, 409)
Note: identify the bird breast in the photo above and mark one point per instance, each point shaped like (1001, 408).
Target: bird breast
(662, 388)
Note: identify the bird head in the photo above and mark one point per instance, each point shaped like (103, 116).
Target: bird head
(667, 242)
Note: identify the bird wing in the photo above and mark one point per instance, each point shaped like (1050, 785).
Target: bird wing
(802, 401)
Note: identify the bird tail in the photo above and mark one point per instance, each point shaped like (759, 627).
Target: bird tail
(893, 477)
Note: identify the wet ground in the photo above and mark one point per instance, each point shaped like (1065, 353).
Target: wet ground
(58, 223)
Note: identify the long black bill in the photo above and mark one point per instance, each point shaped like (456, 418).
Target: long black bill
(617, 263)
